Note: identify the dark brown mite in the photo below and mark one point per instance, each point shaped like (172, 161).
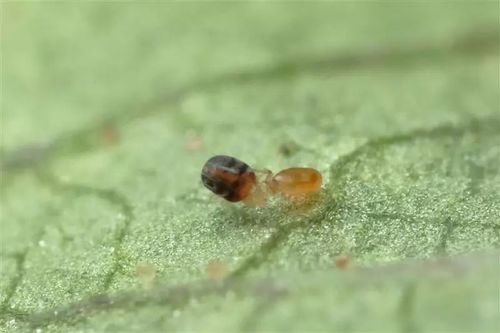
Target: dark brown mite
(228, 177)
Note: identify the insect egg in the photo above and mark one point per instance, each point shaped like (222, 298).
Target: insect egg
(228, 177)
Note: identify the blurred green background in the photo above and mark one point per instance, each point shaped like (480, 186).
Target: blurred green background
(110, 109)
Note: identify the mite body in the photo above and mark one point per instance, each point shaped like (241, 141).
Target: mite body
(296, 182)
(235, 181)
(228, 177)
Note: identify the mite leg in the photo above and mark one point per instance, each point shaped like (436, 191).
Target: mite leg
(260, 193)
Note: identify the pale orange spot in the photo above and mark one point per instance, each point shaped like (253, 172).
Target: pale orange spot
(342, 262)
(193, 142)
(109, 134)
(216, 270)
(146, 273)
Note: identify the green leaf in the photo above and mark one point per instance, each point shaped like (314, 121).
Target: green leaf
(111, 109)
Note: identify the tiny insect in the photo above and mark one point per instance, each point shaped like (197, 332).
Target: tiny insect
(236, 181)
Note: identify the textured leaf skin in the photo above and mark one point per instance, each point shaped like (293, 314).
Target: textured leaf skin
(109, 111)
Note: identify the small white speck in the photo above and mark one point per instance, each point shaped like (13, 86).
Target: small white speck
(176, 313)
(42, 243)
(11, 323)
(38, 330)
(112, 250)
